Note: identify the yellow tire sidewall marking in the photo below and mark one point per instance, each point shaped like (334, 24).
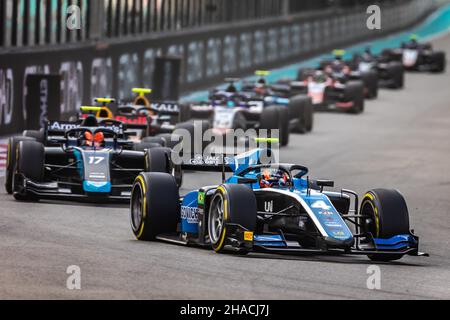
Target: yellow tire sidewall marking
(225, 218)
(375, 210)
(141, 182)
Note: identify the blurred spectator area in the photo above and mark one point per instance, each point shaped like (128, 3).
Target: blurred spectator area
(43, 22)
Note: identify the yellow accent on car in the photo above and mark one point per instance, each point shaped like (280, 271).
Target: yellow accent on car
(262, 73)
(339, 52)
(248, 236)
(142, 91)
(225, 218)
(268, 140)
(105, 100)
(141, 181)
(90, 109)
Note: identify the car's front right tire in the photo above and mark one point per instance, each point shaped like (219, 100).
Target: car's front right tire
(231, 204)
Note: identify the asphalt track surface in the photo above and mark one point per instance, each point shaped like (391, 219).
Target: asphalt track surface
(402, 141)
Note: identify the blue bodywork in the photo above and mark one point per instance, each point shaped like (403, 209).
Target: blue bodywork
(93, 167)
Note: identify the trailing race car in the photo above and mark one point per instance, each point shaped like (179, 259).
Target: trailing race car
(87, 161)
(271, 208)
(231, 109)
(145, 121)
(391, 74)
(329, 91)
(418, 57)
(301, 111)
(342, 69)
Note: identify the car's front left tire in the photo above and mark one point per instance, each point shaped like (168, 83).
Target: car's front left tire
(155, 206)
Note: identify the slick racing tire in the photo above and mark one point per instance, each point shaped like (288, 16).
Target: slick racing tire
(154, 140)
(32, 170)
(38, 135)
(11, 161)
(170, 140)
(185, 113)
(301, 107)
(155, 208)
(370, 80)
(439, 62)
(231, 204)
(160, 160)
(199, 127)
(143, 146)
(354, 91)
(397, 72)
(276, 118)
(389, 217)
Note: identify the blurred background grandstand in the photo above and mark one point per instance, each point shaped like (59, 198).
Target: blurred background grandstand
(115, 47)
(42, 22)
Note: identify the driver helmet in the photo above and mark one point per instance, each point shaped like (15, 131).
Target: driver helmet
(97, 140)
(319, 77)
(270, 178)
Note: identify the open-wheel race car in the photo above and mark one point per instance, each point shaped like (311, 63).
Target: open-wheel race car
(87, 161)
(145, 121)
(231, 109)
(417, 56)
(391, 74)
(274, 208)
(329, 91)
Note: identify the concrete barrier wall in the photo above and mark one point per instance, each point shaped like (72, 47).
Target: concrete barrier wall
(210, 54)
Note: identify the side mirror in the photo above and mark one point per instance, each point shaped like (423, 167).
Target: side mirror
(325, 183)
(247, 181)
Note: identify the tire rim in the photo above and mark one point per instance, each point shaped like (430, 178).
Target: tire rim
(216, 218)
(137, 208)
(369, 224)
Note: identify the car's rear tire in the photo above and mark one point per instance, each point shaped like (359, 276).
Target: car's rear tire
(354, 91)
(439, 62)
(185, 112)
(301, 107)
(143, 146)
(32, 170)
(231, 204)
(160, 160)
(13, 142)
(389, 217)
(276, 118)
(155, 206)
(170, 140)
(397, 71)
(38, 135)
(371, 83)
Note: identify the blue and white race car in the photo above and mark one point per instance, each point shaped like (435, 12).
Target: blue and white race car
(256, 107)
(271, 208)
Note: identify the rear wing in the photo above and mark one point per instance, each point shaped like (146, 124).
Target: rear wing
(59, 128)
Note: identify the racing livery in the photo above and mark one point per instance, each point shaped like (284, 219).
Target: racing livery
(390, 74)
(271, 207)
(417, 56)
(91, 161)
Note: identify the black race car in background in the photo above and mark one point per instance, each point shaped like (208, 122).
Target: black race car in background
(230, 109)
(87, 161)
(390, 74)
(338, 67)
(417, 56)
(328, 91)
